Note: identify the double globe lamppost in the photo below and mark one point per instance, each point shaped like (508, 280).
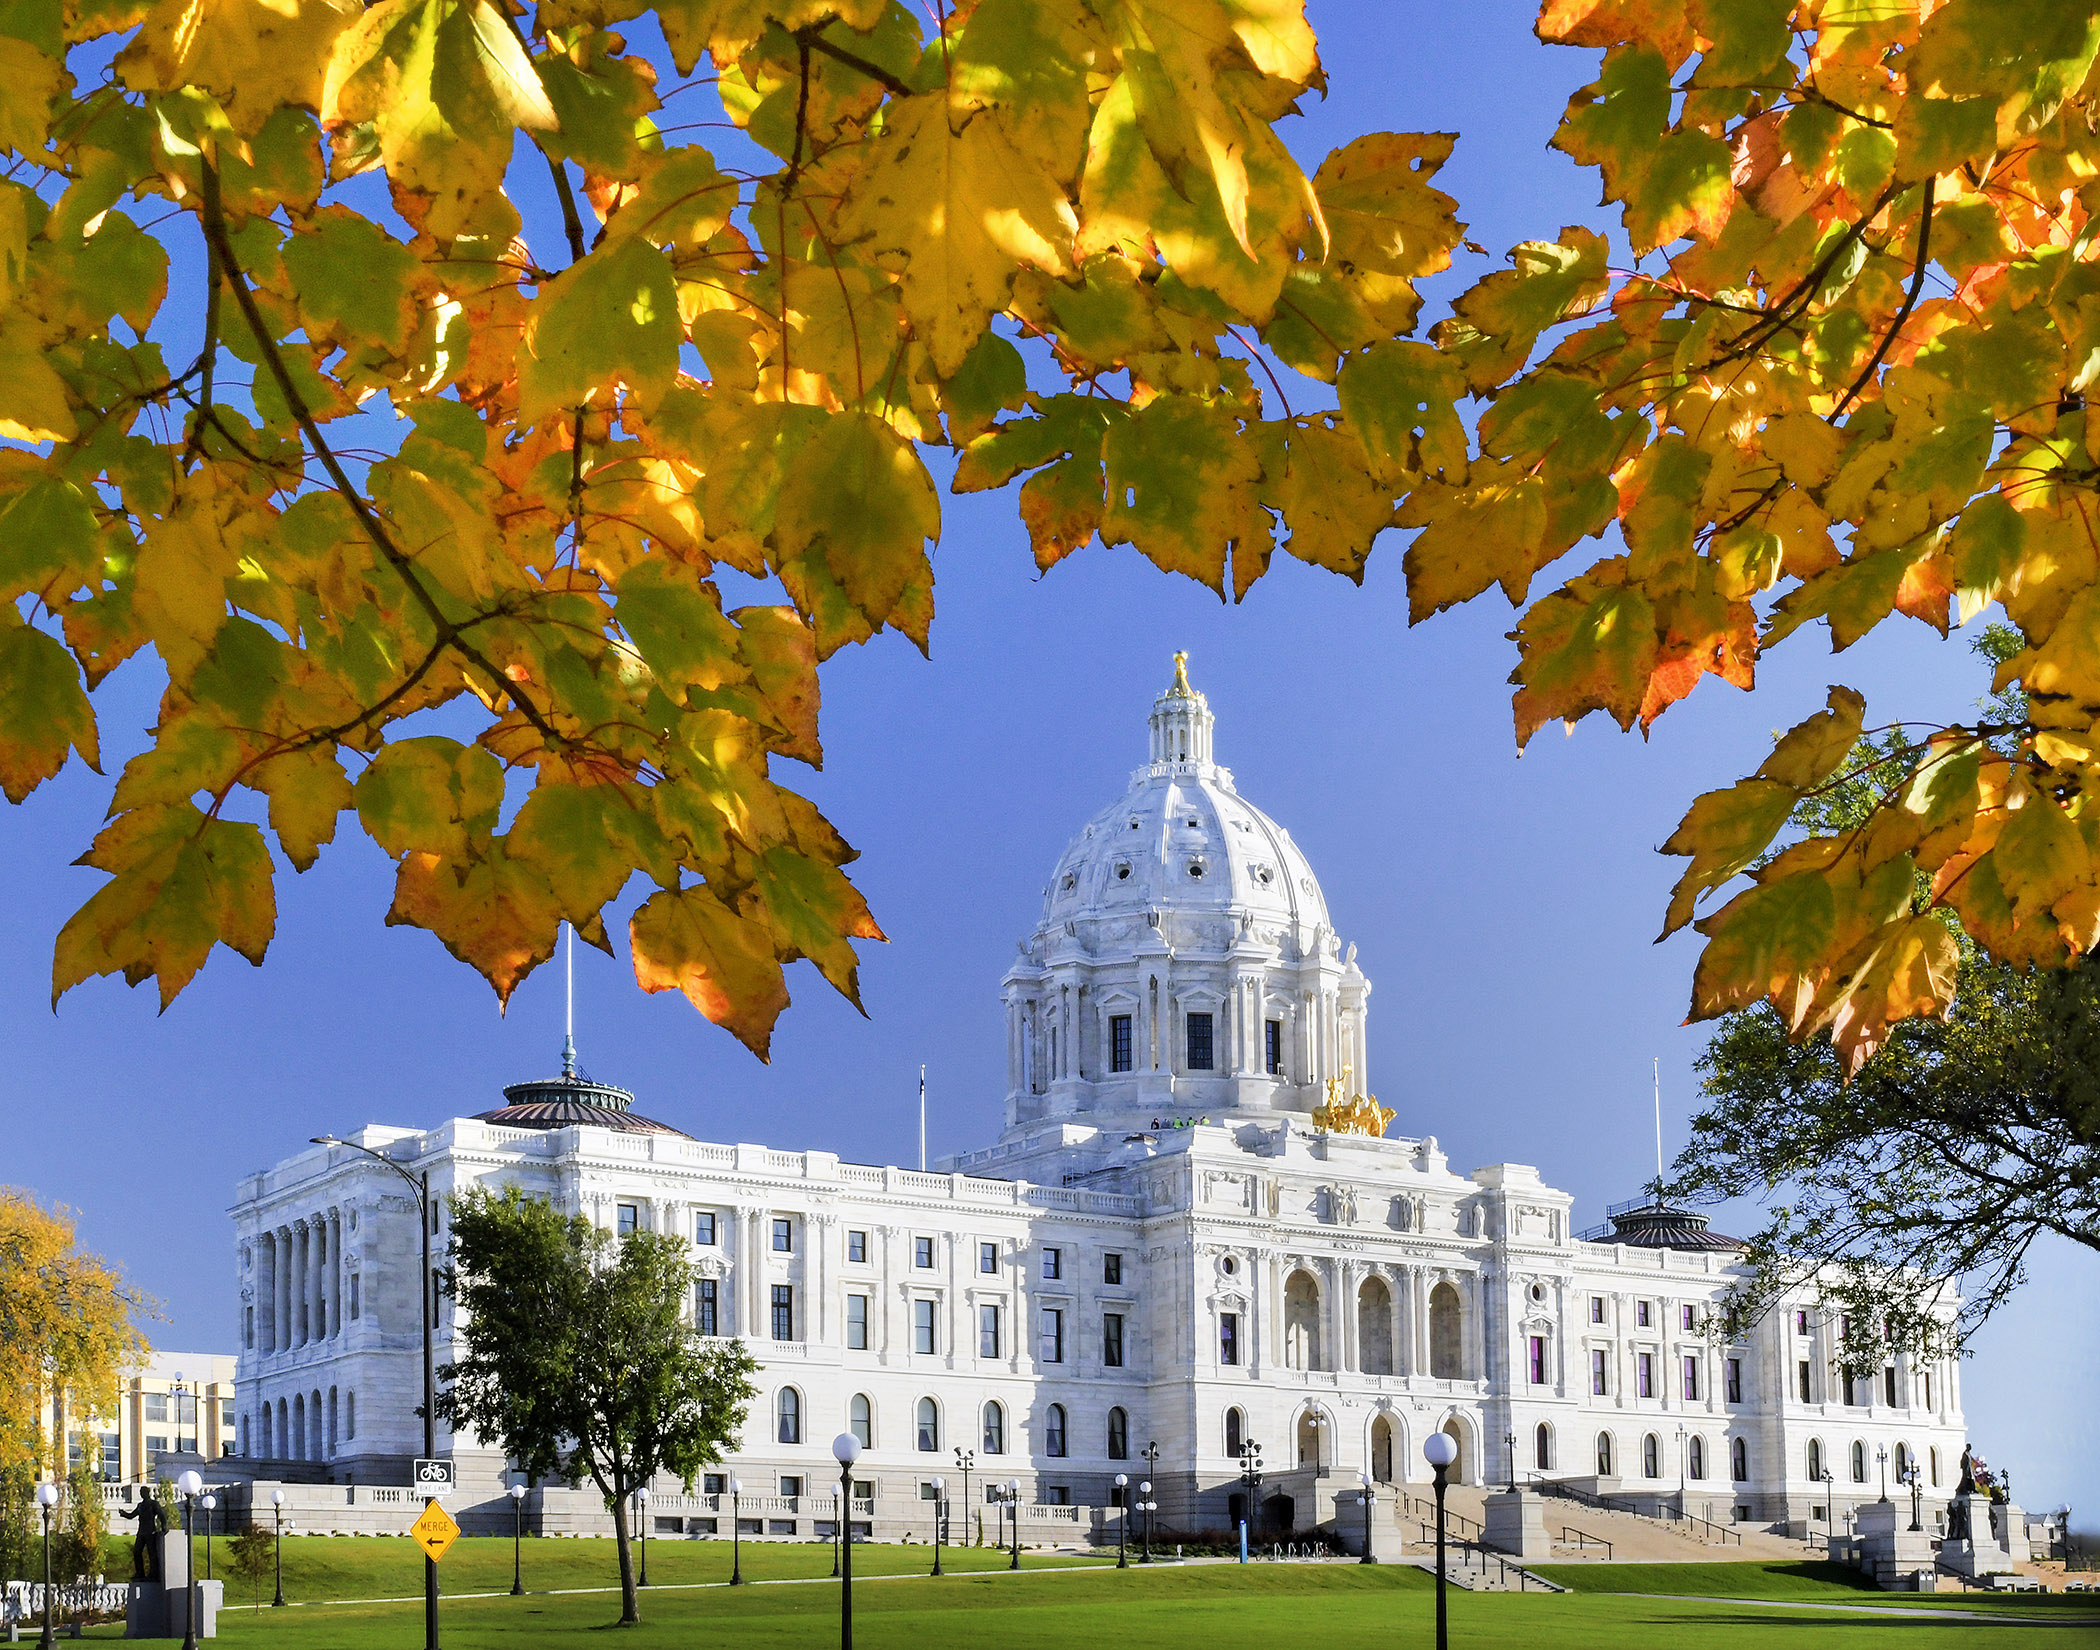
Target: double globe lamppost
(277, 1510)
(1122, 1520)
(736, 1532)
(1013, 1500)
(940, 1486)
(191, 1487)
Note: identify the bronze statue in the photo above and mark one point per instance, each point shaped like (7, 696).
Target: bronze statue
(145, 1553)
(1967, 1486)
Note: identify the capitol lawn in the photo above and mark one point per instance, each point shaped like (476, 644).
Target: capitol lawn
(1082, 1603)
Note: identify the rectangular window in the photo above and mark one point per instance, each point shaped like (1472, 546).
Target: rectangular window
(988, 1332)
(1644, 1367)
(922, 1326)
(629, 1219)
(857, 1248)
(353, 1296)
(1112, 1340)
(1119, 1042)
(1851, 1394)
(783, 1311)
(112, 1456)
(1538, 1360)
(922, 1253)
(1596, 1309)
(1199, 1041)
(704, 1226)
(1053, 1263)
(1052, 1348)
(1928, 1389)
(1228, 1338)
(156, 1443)
(1112, 1268)
(1691, 1376)
(857, 1322)
(1684, 1317)
(1597, 1372)
(156, 1406)
(783, 1237)
(1888, 1386)
(1735, 1380)
(1801, 1323)
(790, 1484)
(706, 1305)
(1803, 1371)
(714, 1483)
(1844, 1326)
(1272, 1047)
(1640, 1313)
(988, 1258)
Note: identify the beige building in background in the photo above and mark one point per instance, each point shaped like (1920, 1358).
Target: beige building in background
(180, 1403)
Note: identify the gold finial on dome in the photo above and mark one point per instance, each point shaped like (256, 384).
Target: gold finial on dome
(1181, 688)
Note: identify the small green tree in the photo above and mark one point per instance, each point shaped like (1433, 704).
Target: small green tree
(76, 1545)
(249, 1556)
(579, 1357)
(18, 1529)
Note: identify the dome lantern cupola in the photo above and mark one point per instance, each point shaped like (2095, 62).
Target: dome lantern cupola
(1181, 720)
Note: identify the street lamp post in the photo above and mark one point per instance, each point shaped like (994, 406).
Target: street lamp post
(845, 1449)
(46, 1499)
(1250, 1481)
(1917, 1498)
(277, 1509)
(1364, 1479)
(191, 1486)
(210, 1503)
(1509, 1446)
(736, 1532)
(940, 1486)
(1013, 1495)
(1681, 1508)
(838, 1528)
(965, 1459)
(1440, 1449)
(1122, 1520)
(420, 1185)
(641, 1521)
(1881, 1454)
(1145, 1506)
(517, 1540)
(1150, 1456)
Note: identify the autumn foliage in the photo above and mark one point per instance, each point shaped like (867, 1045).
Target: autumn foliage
(425, 462)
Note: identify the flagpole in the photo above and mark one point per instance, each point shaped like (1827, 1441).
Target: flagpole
(922, 1118)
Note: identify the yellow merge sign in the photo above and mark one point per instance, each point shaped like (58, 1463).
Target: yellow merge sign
(434, 1530)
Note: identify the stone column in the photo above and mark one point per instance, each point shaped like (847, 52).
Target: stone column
(266, 1292)
(302, 1258)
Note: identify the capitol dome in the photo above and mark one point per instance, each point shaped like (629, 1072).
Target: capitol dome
(1184, 962)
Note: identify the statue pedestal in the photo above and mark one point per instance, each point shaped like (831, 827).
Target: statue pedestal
(1516, 1524)
(1889, 1549)
(1387, 1544)
(161, 1609)
(2012, 1532)
(1981, 1554)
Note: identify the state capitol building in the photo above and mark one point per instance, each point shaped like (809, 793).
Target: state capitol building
(1193, 1233)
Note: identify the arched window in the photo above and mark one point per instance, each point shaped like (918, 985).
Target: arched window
(266, 1429)
(1932, 1455)
(1542, 1447)
(1118, 1435)
(1604, 1455)
(1382, 1450)
(994, 1430)
(1651, 1456)
(1695, 1457)
(1054, 1430)
(313, 1420)
(285, 1444)
(1446, 1359)
(1739, 1461)
(860, 1420)
(299, 1427)
(1235, 1432)
(1301, 1322)
(790, 1416)
(1859, 1462)
(1374, 1326)
(929, 1426)
(350, 1415)
(1815, 1459)
(335, 1416)
(1902, 1462)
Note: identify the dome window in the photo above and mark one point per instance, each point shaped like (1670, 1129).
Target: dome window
(1195, 824)
(1123, 871)
(1196, 868)
(1263, 875)
(1071, 881)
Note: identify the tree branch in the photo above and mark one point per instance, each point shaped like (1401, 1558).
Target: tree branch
(813, 41)
(1910, 302)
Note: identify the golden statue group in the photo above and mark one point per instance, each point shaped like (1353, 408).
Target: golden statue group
(1359, 1114)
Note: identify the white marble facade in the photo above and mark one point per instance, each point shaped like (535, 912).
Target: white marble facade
(1160, 1249)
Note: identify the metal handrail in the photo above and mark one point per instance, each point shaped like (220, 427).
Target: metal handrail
(1583, 1540)
(1723, 1531)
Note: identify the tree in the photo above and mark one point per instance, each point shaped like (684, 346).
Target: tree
(431, 455)
(579, 1358)
(250, 1556)
(78, 1543)
(69, 1328)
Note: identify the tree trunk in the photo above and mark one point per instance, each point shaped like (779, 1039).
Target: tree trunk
(630, 1606)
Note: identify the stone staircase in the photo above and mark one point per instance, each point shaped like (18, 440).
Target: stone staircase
(1585, 1532)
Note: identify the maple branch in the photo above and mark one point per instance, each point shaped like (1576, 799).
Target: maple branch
(208, 356)
(446, 632)
(1804, 290)
(1910, 302)
(811, 40)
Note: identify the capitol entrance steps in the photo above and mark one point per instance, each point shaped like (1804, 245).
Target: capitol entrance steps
(1585, 1531)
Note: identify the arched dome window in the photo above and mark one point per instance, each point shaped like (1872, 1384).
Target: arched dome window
(860, 1420)
(1054, 1430)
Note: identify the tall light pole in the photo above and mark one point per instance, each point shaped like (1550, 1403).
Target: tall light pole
(940, 1485)
(420, 1185)
(965, 1459)
(517, 1540)
(191, 1486)
(1830, 1511)
(1145, 1506)
(641, 1522)
(1440, 1449)
(1122, 1520)
(736, 1532)
(1682, 1509)
(277, 1509)
(1364, 1479)
(1881, 1454)
(845, 1449)
(838, 1529)
(1917, 1497)
(210, 1503)
(1509, 1446)
(46, 1499)
(1013, 1494)
(1250, 1481)
(1150, 1456)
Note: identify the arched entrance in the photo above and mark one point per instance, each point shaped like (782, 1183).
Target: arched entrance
(1381, 1451)
(1462, 1466)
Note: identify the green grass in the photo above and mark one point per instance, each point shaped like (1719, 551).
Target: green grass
(1800, 1581)
(1197, 1607)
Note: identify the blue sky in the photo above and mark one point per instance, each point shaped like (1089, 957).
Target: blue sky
(1504, 908)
